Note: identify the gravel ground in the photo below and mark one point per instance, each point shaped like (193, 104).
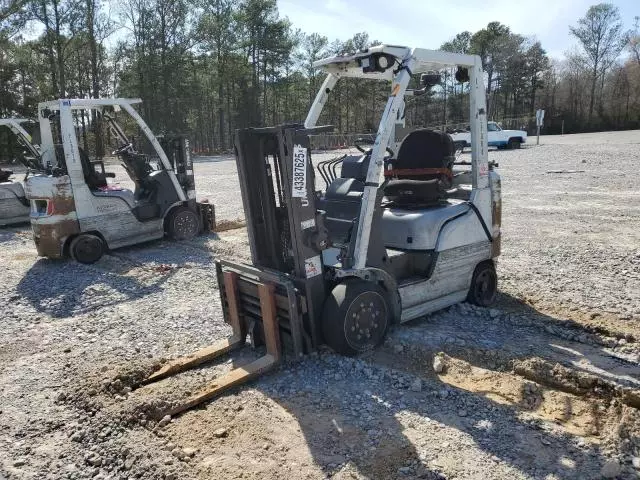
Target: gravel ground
(543, 386)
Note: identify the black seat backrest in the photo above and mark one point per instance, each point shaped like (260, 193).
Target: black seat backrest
(425, 149)
(422, 171)
(93, 178)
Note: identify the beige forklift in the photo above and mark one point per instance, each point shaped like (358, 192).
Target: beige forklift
(75, 210)
(387, 240)
(14, 206)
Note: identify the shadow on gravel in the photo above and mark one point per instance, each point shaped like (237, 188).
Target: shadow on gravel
(384, 430)
(64, 288)
(575, 343)
(195, 251)
(9, 233)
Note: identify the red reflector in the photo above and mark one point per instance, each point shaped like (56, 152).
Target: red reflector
(49, 207)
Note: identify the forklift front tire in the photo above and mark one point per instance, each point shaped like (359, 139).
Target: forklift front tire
(355, 317)
(182, 224)
(484, 285)
(86, 248)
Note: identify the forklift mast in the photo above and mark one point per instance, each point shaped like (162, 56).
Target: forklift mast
(286, 232)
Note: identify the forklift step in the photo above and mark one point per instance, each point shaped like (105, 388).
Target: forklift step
(239, 375)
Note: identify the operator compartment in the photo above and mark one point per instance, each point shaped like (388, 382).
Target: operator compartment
(418, 192)
(343, 196)
(417, 200)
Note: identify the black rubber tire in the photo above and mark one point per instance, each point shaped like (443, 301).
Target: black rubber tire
(484, 285)
(182, 224)
(86, 248)
(342, 313)
(514, 143)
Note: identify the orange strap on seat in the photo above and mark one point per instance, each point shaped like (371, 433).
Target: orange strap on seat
(413, 172)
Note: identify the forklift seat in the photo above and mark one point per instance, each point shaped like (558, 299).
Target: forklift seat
(424, 149)
(93, 179)
(422, 171)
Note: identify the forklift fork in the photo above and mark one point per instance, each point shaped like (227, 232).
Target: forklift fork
(238, 375)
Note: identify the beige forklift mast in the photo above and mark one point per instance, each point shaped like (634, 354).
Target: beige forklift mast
(397, 65)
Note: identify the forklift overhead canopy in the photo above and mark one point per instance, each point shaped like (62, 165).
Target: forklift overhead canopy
(15, 125)
(65, 105)
(82, 103)
(381, 61)
(24, 138)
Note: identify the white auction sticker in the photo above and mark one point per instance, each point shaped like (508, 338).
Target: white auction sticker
(313, 266)
(299, 187)
(308, 223)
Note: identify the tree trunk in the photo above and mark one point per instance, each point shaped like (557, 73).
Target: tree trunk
(49, 45)
(62, 86)
(594, 80)
(95, 80)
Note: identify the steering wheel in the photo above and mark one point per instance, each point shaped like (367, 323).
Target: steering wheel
(367, 141)
(122, 148)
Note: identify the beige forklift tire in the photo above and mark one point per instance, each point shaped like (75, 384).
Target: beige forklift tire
(356, 317)
(484, 285)
(182, 224)
(86, 248)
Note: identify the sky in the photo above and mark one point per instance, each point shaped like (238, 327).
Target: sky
(428, 24)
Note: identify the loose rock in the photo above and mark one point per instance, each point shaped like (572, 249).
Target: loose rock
(611, 469)
(438, 364)
(221, 432)
(164, 421)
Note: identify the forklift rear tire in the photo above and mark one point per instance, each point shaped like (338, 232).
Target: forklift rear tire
(484, 285)
(86, 248)
(182, 224)
(355, 317)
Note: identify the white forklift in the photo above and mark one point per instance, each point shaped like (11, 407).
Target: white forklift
(14, 206)
(387, 241)
(74, 209)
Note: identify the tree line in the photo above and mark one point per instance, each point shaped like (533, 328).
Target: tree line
(208, 67)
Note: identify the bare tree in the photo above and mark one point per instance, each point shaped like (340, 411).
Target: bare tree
(633, 40)
(601, 37)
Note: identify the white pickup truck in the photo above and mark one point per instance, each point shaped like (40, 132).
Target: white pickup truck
(497, 137)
